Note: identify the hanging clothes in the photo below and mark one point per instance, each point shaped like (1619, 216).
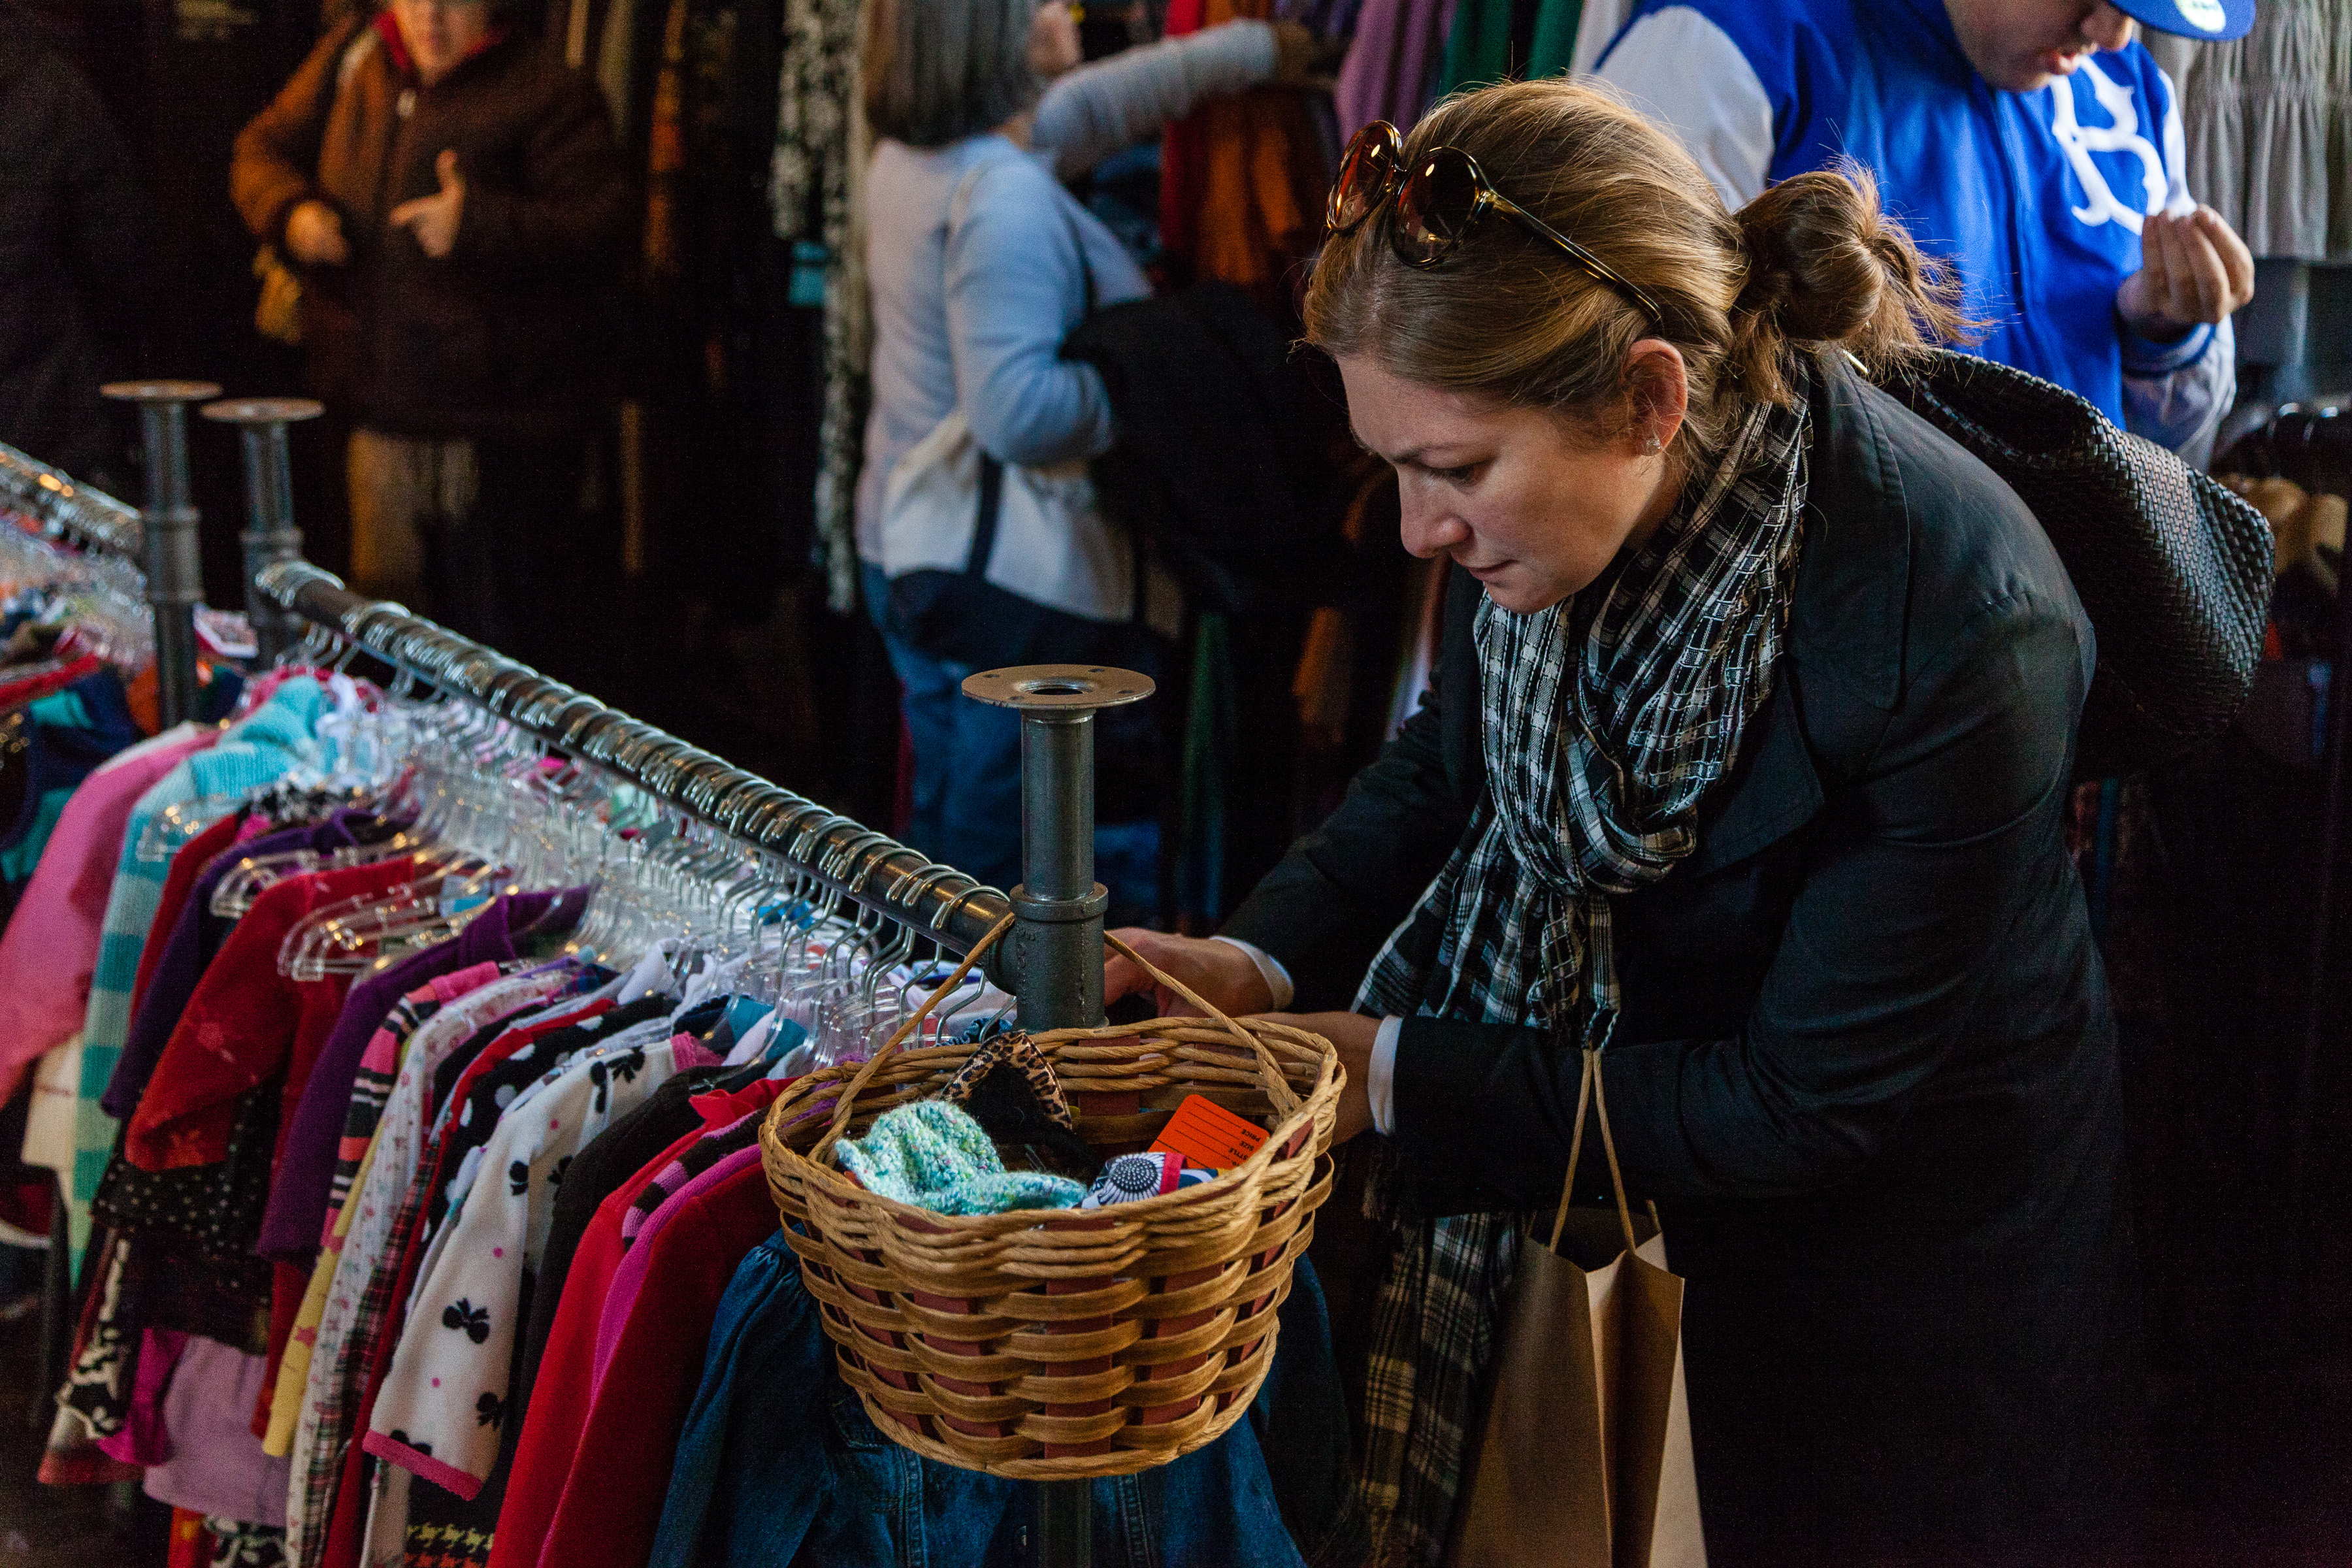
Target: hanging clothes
(1514, 40)
(658, 1312)
(777, 1459)
(815, 189)
(252, 754)
(417, 1219)
(48, 957)
(1391, 69)
(454, 1442)
(1241, 178)
(559, 1397)
(64, 737)
(2269, 122)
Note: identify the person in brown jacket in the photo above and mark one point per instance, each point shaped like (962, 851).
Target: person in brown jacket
(453, 199)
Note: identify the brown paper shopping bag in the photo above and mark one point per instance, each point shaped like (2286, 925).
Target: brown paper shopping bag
(1584, 1457)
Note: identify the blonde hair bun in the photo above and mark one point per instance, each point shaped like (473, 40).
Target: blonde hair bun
(1812, 265)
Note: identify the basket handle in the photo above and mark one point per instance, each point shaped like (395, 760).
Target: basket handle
(1279, 1089)
(848, 1104)
(1284, 1098)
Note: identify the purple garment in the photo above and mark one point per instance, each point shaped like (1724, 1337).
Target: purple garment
(196, 936)
(296, 1213)
(629, 1279)
(216, 1464)
(143, 1439)
(1392, 64)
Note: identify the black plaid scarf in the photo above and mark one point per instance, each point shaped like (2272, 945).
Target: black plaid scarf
(1602, 728)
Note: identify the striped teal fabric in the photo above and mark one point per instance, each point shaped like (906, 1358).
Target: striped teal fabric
(259, 752)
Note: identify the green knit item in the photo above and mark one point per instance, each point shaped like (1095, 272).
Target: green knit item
(933, 1157)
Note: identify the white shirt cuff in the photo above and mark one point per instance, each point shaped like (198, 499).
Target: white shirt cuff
(1379, 1076)
(1277, 978)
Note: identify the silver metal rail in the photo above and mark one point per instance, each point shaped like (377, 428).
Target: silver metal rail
(871, 867)
(88, 516)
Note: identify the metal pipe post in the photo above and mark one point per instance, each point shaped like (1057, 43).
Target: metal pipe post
(1057, 946)
(175, 571)
(270, 533)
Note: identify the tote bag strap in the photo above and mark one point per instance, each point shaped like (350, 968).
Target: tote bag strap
(992, 503)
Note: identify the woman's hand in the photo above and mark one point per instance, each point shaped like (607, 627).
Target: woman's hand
(314, 235)
(1351, 1034)
(433, 219)
(1218, 972)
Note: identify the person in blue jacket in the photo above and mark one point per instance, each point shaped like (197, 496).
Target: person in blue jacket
(2034, 145)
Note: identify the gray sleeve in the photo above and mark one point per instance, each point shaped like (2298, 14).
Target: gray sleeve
(2177, 394)
(1099, 109)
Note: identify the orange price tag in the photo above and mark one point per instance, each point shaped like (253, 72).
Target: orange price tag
(1208, 1135)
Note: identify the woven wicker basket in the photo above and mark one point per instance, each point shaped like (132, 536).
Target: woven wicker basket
(1060, 1345)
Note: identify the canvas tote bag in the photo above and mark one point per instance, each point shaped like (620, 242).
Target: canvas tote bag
(1584, 1457)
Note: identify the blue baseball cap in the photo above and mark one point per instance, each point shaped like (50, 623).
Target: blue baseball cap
(2217, 19)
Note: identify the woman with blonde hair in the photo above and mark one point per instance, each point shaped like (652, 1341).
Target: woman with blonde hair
(1746, 766)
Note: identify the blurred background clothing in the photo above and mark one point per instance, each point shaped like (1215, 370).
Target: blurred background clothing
(502, 336)
(76, 264)
(474, 383)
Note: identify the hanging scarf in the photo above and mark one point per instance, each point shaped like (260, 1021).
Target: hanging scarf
(820, 150)
(1601, 727)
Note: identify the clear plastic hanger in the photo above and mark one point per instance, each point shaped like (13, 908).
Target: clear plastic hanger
(373, 767)
(169, 831)
(101, 595)
(242, 886)
(491, 811)
(485, 800)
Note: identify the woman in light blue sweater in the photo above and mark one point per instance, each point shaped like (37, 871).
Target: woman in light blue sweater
(972, 303)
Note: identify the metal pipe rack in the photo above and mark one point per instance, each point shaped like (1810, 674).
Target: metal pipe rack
(175, 575)
(86, 517)
(870, 868)
(1054, 965)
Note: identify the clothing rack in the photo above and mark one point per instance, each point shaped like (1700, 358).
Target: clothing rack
(1054, 963)
(160, 544)
(87, 517)
(871, 867)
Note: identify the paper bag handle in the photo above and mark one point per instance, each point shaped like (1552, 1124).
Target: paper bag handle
(1589, 1091)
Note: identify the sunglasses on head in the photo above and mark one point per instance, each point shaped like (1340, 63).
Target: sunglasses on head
(1438, 202)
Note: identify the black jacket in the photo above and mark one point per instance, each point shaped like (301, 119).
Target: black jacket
(1225, 452)
(75, 257)
(1867, 1059)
